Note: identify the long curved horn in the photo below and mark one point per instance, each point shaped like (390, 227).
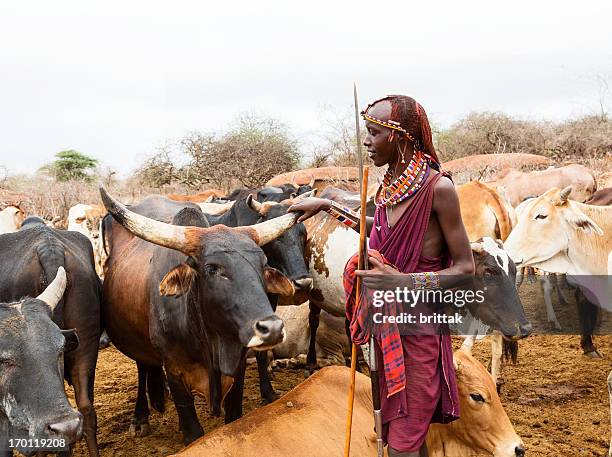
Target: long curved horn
(216, 209)
(54, 291)
(255, 205)
(310, 193)
(564, 194)
(183, 239)
(267, 231)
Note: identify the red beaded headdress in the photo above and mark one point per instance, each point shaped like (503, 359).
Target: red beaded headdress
(409, 118)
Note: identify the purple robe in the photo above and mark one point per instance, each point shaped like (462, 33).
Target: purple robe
(431, 390)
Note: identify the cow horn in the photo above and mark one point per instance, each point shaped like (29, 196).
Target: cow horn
(564, 194)
(255, 205)
(312, 181)
(264, 232)
(310, 193)
(54, 291)
(167, 235)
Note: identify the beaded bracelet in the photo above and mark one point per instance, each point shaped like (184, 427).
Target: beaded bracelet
(427, 280)
(343, 214)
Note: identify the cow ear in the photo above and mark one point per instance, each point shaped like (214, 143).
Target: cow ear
(477, 247)
(456, 364)
(277, 283)
(72, 339)
(178, 281)
(581, 221)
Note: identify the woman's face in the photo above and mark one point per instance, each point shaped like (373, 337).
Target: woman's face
(381, 151)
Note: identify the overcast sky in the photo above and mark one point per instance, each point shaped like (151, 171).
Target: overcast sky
(116, 79)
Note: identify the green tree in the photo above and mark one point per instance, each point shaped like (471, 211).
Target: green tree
(73, 165)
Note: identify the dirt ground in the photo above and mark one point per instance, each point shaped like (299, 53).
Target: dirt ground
(556, 398)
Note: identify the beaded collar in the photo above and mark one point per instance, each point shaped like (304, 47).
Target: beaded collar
(406, 185)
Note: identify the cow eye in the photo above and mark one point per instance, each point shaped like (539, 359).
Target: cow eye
(211, 269)
(6, 362)
(541, 216)
(478, 398)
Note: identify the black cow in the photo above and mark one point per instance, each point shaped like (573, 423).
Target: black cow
(33, 403)
(30, 259)
(286, 253)
(269, 194)
(189, 298)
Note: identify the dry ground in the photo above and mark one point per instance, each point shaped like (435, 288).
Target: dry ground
(556, 398)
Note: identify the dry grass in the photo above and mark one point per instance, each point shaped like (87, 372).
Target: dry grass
(52, 200)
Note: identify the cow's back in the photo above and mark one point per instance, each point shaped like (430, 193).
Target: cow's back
(308, 421)
(28, 253)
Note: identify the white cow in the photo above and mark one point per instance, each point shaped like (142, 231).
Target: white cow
(86, 219)
(11, 218)
(558, 234)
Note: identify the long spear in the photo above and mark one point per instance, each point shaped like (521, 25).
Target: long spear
(362, 265)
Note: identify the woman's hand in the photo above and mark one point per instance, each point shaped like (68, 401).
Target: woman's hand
(310, 206)
(381, 276)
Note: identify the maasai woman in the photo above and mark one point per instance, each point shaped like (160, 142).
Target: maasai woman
(417, 228)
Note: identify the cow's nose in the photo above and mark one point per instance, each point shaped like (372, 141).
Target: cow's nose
(303, 284)
(526, 330)
(268, 332)
(519, 451)
(71, 429)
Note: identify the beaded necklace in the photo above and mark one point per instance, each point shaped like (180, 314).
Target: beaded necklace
(406, 185)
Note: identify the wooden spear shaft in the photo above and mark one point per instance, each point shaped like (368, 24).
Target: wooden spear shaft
(362, 264)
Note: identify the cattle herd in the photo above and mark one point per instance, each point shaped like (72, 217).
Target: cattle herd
(187, 285)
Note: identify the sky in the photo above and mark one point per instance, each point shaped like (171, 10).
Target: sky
(118, 79)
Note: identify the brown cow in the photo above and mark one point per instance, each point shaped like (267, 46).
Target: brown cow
(519, 185)
(310, 421)
(602, 197)
(202, 197)
(310, 176)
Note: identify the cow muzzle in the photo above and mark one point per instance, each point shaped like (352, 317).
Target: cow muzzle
(70, 428)
(304, 284)
(267, 334)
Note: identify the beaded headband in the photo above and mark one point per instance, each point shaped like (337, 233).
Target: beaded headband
(394, 125)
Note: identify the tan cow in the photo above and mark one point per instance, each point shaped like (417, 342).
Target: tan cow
(310, 420)
(86, 219)
(519, 185)
(11, 218)
(483, 211)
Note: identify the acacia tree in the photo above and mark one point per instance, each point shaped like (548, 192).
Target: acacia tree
(72, 165)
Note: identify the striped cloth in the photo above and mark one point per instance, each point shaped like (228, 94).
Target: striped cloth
(362, 327)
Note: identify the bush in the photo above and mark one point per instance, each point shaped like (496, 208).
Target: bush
(578, 140)
(488, 133)
(249, 154)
